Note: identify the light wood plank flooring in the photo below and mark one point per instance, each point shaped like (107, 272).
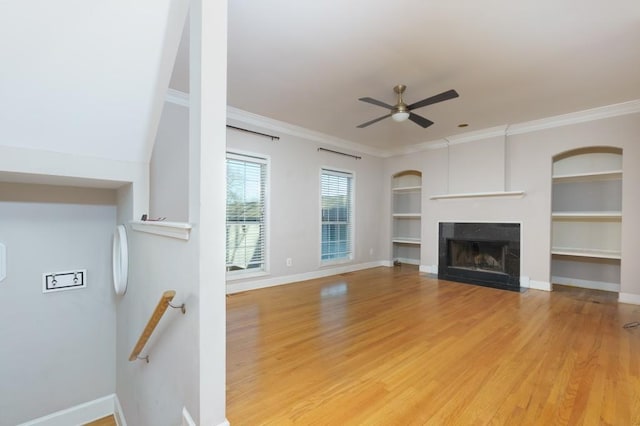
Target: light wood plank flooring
(388, 346)
(105, 421)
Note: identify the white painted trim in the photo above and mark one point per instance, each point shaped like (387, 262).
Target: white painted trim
(429, 269)
(237, 287)
(539, 285)
(387, 263)
(630, 298)
(594, 285)
(478, 195)
(177, 97)
(187, 420)
(525, 282)
(80, 414)
(408, 261)
(248, 118)
(420, 147)
(180, 230)
(491, 132)
(593, 114)
(624, 108)
(118, 412)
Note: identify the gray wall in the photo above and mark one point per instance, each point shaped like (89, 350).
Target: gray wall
(294, 200)
(154, 393)
(58, 349)
(169, 190)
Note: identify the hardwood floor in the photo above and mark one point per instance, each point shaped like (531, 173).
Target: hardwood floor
(387, 346)
(105, 421)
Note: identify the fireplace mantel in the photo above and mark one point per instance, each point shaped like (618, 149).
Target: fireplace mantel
(478, 195)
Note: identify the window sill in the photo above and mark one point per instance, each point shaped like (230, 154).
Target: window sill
(180, 230)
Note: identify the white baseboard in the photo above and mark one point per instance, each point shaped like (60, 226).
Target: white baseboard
(539, 285)
(236, 287)
(408, 261)
(594, 285)
(429, 269)
(630, 298)
(82, 413)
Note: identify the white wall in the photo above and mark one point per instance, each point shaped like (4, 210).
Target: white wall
(294, 201)
(58, 349)
(528, 162)
(169, 192)
(154, 393)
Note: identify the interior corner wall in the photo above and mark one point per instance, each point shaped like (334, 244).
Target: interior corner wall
(294, 200)
(392, 166)
(169, 185)
(155, 393)
(528, 168)
(58, 349)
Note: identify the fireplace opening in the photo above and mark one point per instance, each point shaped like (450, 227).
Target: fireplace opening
(487, 254)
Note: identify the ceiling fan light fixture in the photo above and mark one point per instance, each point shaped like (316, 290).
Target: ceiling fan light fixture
(400, 116)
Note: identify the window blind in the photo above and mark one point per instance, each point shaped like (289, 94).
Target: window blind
(337, 220)
(246, 205)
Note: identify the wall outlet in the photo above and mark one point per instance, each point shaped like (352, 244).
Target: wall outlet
(67, 280)
(289, 261)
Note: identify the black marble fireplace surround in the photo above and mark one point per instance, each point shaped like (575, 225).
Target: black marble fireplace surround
(486, 254)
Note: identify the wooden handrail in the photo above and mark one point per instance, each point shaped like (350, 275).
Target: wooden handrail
(162, 306)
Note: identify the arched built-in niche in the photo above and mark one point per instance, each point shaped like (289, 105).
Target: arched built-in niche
(406, 188)
(586, 218)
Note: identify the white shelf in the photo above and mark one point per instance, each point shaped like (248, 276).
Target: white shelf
(180, 230)
(407, 215)
(589, 177)
(406, 240)
(581, 252)
(612, 215)
(407, 189)
(478, 195)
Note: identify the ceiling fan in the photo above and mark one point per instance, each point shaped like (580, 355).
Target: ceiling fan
(401, 111)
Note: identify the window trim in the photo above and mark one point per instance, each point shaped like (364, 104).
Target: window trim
(266, 160)
(347, 173)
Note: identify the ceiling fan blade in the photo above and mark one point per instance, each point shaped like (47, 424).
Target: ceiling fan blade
(376, 102)
(444, 96)
(368, 123)
(419, 120)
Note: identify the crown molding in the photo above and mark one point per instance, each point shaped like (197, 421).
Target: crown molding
(624, 108)
(478, 135)
(249, 118)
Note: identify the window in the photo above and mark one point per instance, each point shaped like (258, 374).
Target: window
(337, 219)
(246, 205)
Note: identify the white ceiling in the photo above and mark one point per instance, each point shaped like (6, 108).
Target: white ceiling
(88, 77)
(306, 63)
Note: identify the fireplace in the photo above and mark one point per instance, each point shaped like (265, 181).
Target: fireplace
(486, 254)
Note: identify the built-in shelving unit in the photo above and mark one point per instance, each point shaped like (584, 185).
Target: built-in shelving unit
(586, 218)
(406, 192)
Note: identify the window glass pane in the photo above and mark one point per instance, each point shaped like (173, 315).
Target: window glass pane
(336, 203)
(245, 242)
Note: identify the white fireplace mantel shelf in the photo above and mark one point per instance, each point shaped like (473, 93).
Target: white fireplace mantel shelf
(478, 195)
